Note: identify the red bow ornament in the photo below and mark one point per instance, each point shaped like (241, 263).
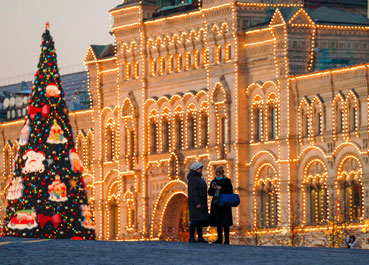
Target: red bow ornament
(44, 110)
(43, 219)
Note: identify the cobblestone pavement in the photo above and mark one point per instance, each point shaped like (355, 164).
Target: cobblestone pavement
(39, 251)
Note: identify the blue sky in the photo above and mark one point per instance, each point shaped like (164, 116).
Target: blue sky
(74, 25)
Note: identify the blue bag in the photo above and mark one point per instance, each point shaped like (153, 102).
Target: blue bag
(229, 200)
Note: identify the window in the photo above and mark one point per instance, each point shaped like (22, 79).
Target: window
(161, 65)
(196, 59)
(109, 143)
(166, 136)
(218, 54)
(317, 196)
(136, 70)
(178, 122)
(153, 142)
(153, 67)
(187, 61)
(205, 57)
(227, 53)
(170, 64)
(272, 122)
(191, 131)
(204, 130)
(178, 62)
(258, 125)
(127, 71)
(268, 206)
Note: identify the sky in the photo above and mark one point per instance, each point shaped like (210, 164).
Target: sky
(74, 26)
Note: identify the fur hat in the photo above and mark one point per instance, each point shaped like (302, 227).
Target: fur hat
(196, 166)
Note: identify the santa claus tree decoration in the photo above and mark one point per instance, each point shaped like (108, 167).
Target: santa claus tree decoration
(47, 196)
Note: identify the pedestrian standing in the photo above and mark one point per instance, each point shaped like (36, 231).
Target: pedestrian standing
(220, 217)
(197, 202)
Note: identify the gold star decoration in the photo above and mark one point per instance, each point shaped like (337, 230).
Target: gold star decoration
(73, 184)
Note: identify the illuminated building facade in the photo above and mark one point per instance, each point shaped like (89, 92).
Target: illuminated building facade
(271, 91)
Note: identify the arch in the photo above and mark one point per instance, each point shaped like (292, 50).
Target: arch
(172, 187)
(219, 94)
(266, 197)
(175, 218)
(113, 203)
(315, 195)
(349, 189)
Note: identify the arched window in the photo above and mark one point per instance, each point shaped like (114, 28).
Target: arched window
(136, 69)
(315, 193)
(205, 57)
(179, 134)
(196, 59)
(153, 67)
(127, 71)
(191, 130)
(317, 119)
(304, 118)
(170, 64)
(130, 148)
(258, 127)
(204, 129)
(350, 190)
(353, 112)
(257, 118)
(187, 63)
(178, 62)
(161, 65)
(266, 200)
(339, 117)
(272, 122)
(268, 205)
(109, 143)
(218, 54)
(166, 135)
(153, 137)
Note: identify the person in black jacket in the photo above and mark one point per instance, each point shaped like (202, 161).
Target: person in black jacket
(197, 202)
(221, 217)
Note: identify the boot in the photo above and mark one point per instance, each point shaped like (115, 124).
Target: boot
(199, 235)
(226, 235)
(220, 235)
(192, 233)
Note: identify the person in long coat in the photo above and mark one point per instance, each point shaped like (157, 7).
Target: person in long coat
(221, 217)
(197, 202)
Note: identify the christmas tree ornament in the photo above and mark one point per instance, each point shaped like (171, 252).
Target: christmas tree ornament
(52, 90)
(23, 219)
(34, 162)
(56, 135)
(16, 188)
(46, 197)
(57, 191)
(76, 163)
(23, 139)
(87, 221)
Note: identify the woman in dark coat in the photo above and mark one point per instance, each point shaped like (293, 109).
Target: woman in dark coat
(197, 202)
(221, 217)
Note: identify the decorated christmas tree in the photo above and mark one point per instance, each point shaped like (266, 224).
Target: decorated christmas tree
(47, 196)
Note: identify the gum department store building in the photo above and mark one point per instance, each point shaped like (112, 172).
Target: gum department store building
(275, 92)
